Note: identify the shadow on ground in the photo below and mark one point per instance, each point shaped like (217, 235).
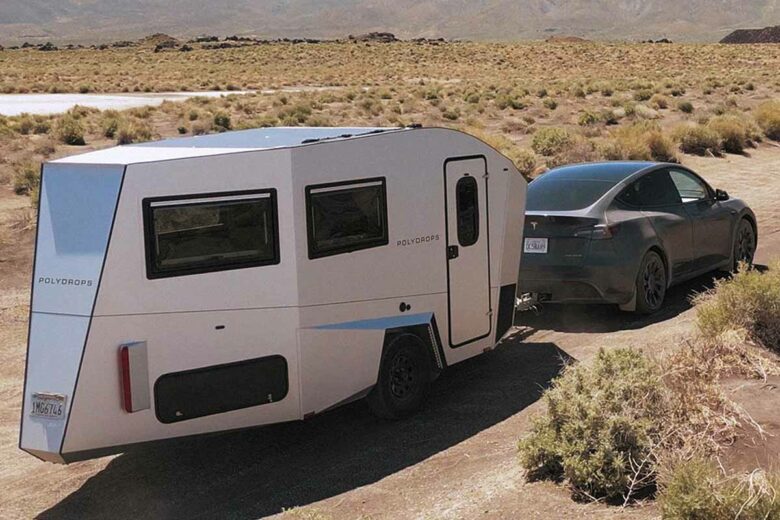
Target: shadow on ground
(608, 318)
(258, 472)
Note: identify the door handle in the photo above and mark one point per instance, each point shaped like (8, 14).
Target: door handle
(452, 252)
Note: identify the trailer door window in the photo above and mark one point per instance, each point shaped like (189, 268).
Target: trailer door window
(199, 234)
(346, 216)
(467, 207)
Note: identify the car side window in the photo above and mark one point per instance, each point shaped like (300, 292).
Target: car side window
(651, 190)
(690, 187)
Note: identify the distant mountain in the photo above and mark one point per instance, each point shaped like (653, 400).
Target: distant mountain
(765, 35)
(102, 20)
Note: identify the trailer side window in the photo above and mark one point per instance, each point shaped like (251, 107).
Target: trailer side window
(467, 206)
(346, 216)
(204, 233)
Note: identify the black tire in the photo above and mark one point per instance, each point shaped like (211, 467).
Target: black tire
(650, 284)
(404, 376)
(744, 245)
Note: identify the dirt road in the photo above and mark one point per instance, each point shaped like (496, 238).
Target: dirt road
(455, 459)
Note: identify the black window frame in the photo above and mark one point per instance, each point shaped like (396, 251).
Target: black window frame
(202, 199)
(384, 240)
(473, 181)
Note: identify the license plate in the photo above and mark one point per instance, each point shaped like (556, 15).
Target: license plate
(49, 406)
(535, 245)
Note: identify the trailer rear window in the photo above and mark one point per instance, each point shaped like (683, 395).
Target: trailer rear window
(204, 233)
(346, 216)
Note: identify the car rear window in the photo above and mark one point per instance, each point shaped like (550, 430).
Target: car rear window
(565, 194)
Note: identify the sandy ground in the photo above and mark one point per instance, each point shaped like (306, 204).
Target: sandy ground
(455, 459)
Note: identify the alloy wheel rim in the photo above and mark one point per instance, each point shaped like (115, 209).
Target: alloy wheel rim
(653, 281)
(402, 377)
(745, 244)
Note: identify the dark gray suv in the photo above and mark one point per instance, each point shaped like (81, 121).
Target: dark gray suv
(624, 232)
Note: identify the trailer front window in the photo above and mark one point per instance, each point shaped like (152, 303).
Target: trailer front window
(346, 216)
(198, 234)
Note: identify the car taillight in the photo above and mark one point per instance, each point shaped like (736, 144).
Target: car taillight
(598, 232)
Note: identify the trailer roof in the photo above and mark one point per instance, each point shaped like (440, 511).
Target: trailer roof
(227, 142)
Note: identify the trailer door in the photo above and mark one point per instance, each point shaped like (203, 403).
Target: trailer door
(468, 267)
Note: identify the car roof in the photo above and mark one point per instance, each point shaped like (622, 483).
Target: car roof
(614, 171)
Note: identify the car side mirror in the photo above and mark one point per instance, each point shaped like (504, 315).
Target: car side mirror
(721, 195)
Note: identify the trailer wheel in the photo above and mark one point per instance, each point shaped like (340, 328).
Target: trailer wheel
(404, 375)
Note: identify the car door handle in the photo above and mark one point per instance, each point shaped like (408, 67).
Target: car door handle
(452, 252)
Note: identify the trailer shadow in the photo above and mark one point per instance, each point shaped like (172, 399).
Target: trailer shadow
(608, 318)
(253, 473)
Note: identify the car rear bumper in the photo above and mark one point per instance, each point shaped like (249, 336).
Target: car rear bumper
(580, 284)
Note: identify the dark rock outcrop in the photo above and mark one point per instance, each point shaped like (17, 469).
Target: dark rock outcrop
(765, 35)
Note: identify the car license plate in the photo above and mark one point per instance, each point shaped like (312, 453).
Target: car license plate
(50, 406)
(535, 245)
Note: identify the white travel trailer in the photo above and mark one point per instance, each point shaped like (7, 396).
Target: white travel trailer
(226, 281)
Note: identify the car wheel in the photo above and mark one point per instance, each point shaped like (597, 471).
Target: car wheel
(404, 375)
(650, 284)
(744, 244)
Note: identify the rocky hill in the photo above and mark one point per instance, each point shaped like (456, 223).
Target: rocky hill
(765, 35)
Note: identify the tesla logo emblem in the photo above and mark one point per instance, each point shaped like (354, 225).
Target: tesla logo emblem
(533, 225)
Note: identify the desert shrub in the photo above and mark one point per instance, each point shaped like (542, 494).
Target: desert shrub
(696, 490)
(69, 130)
(451, 114)
(25, 124)
(222, 121)
(133, 131)
(659, 102)
(697, 139)
(41, 125)
(26, 178)
(525, 161)
(578, 150)
(734, 131)
(110, 123)
(587, 119)
(550, 103)
(603, 424)
(685, 106)
(749, 302)
(768, 118)
(550, 141)
(643, 94)
(641, 141)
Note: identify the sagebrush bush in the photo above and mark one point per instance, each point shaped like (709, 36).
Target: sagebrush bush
(735, 131)
(550, 141)
(749, 302)
(685, 107)
(696, 490)
(525, 161)
(69, 130)
(603, 424)
(26, 178)
(697, 139)
(768, 118)
(641, 141)
(133, 131)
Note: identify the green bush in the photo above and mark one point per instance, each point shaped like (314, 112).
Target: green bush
(587, 119)
(550, 141)
(685, 106)
(69, 130)
(697, 139)
(659, 102)
(602, 427)
(110, 123)
(643, 94)
(768, 118)
(749, 302)
(222, 121)
(695, 490)
(550, 103)
(525, 161)
(26, 179)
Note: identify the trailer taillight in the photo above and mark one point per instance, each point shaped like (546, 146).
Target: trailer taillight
(134, 377)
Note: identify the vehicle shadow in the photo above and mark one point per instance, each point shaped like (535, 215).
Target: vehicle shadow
(608, 318)
(258, 472)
